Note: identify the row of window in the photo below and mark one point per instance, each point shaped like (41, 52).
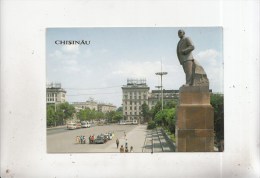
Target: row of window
(135, 97)
(135, 108)
(134, 113)
(134, 103)
(51, 99)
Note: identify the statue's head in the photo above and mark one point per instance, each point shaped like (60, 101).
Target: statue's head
(181, 33)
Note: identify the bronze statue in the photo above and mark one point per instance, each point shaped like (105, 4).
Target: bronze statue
(195, 74)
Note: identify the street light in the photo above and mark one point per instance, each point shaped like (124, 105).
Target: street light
(161, 74)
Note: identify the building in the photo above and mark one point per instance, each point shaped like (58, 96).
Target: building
(90, 104)
(168, 95)
(102, 107)
(135, 93)
(55, 94)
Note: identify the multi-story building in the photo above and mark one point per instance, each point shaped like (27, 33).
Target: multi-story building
(102, 107)
(91, 104)
(135, 93)
(168, 95)
(55, 94)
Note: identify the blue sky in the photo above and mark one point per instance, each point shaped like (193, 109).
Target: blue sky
(100, 69)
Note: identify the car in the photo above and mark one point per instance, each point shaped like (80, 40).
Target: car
(71, 126)
(100, 140)
(85, 124)
(109, 135)
(78, 125)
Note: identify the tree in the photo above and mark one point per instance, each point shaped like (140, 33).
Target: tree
(120, 109)
(145, 112)
(50, 115)
(166, 118)
(217, 102)
(67, 109)
(170, 104)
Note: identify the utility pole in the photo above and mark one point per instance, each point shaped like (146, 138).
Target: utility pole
(161, 74)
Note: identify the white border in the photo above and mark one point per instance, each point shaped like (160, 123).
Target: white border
(23, 130)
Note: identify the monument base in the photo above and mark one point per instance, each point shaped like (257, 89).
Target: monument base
(195, 120)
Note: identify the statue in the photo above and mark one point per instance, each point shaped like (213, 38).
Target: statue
(195, 74)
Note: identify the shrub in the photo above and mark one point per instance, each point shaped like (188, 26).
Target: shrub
(151, 125)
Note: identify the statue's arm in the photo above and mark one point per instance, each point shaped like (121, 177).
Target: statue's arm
(190, 47)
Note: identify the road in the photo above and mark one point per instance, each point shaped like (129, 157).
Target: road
(61, 140)
(56, 130)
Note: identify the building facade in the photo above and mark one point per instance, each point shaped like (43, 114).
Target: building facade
(90, 104)
(135, 93)
(168, 96)
(102, 107)
(55, 94)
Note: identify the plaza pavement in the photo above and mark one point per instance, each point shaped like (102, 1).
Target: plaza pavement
(135, 138)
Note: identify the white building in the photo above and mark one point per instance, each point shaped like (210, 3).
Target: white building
(55, 94)
(135, 93)
(91, 104)
(102, 107)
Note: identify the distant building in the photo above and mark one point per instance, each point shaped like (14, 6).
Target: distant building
(168, 95)
(90, 104)
(102, 107)
(55, 94)
(135, 93)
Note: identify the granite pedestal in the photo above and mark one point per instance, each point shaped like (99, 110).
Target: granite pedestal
(195, 120)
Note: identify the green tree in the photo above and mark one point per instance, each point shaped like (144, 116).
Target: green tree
(145, 112)
(50, 115)
(120, 109)
(67, 109)
(217, 102)
(155, 109)
(166, 118)
(170, 104)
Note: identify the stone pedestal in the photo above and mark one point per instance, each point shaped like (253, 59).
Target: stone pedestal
(195, 120)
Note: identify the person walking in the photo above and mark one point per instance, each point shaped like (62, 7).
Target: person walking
(126, 144)
(131, 149)
(117, 143)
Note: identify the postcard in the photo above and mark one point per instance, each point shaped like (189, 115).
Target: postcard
(143, 90)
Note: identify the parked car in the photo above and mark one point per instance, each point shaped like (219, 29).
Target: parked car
(100, 139)
(78, 125)
(85, 124)
(71, 126)
(109, 136)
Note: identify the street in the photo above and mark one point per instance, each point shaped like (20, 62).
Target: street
(61, 140)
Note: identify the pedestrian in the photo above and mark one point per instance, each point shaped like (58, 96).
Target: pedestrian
(84, 139)
(126, 144)
(131, 149)
(122, 150)
(126, 149)
(77, 139)
(117, 143)
(89, 139)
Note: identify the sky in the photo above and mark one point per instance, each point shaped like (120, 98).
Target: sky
(100, 69)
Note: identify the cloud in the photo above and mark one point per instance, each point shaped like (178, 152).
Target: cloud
(211, 60)
(73, 49)
(208, 57)
(136, 69)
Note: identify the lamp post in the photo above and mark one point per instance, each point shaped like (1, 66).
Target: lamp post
(161, 74)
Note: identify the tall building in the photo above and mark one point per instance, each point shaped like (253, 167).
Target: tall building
(168, 95)
(135, 93)
(55, 94)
